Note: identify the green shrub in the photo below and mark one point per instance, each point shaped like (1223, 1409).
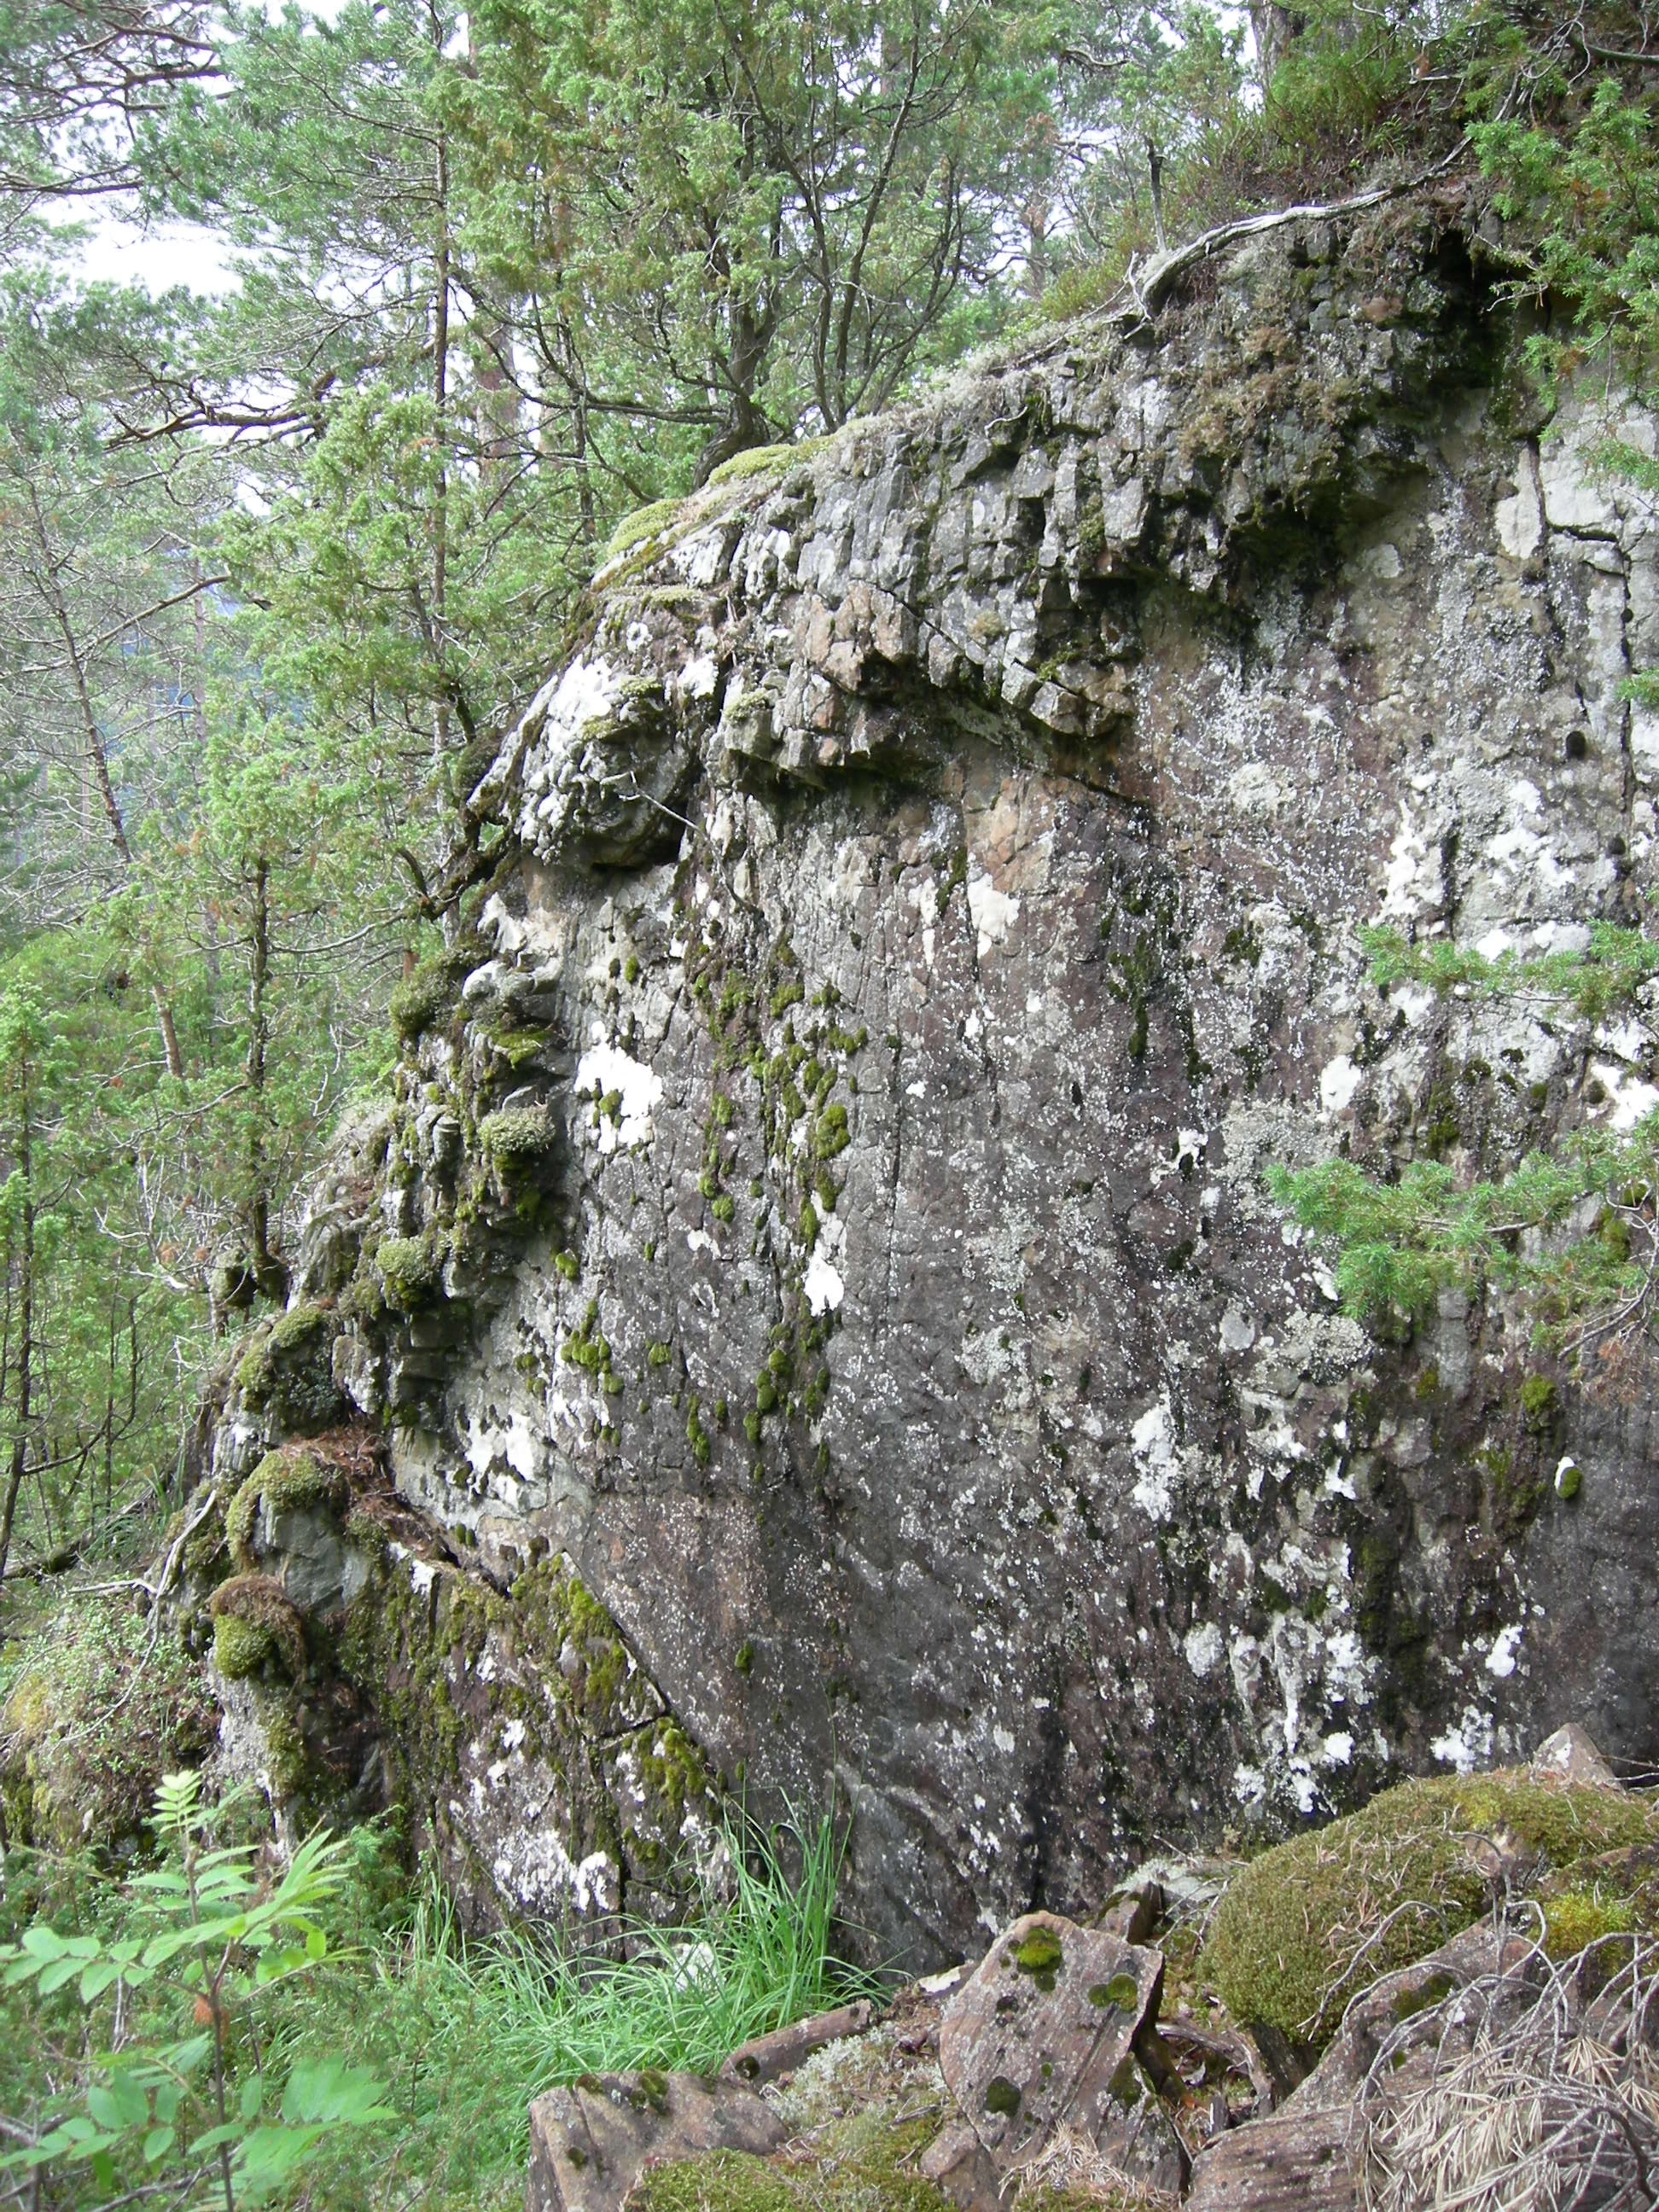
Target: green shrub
(1303, 1927)
(178, 1991)
(98, 1710)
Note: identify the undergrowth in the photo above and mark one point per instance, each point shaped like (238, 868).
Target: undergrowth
(461, 2032)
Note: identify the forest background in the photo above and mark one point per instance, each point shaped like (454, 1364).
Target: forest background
(281, 556)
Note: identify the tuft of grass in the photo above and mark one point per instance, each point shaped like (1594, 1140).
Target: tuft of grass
(468, 2031)
(1306, 1925)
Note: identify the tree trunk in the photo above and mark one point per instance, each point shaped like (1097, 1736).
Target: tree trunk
(1277, 28)
(20, 1443)
(269, 1272)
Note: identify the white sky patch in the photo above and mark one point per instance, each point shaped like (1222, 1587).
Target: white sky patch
(606, 1067)
(162, 256)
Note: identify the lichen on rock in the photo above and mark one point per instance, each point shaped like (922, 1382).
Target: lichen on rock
(930, 900)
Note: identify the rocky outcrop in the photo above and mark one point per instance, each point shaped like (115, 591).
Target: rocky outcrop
(822, 1204)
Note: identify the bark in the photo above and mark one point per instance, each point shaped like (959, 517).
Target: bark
(20, 1443)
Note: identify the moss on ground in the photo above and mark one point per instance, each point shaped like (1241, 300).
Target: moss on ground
(866, 2164)
(1303, 1926)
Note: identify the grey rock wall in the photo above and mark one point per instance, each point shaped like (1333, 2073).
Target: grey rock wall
(931, 897)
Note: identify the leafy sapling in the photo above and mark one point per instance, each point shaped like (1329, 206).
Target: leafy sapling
(200, 1943)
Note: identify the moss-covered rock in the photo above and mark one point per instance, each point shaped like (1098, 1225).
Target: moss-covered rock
(286, 1368)
(410, 1270)
(424, 996)
(513, 1137)
(294, 1475)
(255, 1622)
(1303, 1926)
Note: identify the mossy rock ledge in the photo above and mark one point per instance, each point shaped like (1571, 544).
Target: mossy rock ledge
(822, 1196)
(1305, 1927)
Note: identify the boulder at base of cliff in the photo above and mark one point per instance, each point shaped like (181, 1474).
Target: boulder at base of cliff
(1058, 2030)
(590, 2144)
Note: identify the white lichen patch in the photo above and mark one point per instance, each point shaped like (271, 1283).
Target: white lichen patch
(821, 1285)
(605, 1069)
(1152, 1440)
(994, 913)
(1468, 1744)
(1205, 1649)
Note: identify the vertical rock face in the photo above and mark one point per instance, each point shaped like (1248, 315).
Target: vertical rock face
(826, 1202)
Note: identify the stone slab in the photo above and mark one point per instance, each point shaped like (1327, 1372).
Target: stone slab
(589, 2143)
(1044, 2033)
(769, 2058)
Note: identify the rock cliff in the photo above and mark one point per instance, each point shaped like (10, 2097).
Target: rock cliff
(819, 1226)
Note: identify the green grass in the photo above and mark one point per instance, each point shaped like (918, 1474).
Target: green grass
(462, 2034)
(467, 2032)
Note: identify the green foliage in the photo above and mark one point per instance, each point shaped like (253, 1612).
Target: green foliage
(468, 2032)
(1402, 1241)
(101, 1703)
(188, 1959)
(1595, 982)
(1305, 1926)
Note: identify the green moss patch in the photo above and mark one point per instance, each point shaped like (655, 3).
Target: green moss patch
(854, 2167)
(1305, 1926)
(765, 461)
(513, 1137)
(328, 1470)
(255, 1620)
(420, 1002)
(644, 523)
(411, 1270)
